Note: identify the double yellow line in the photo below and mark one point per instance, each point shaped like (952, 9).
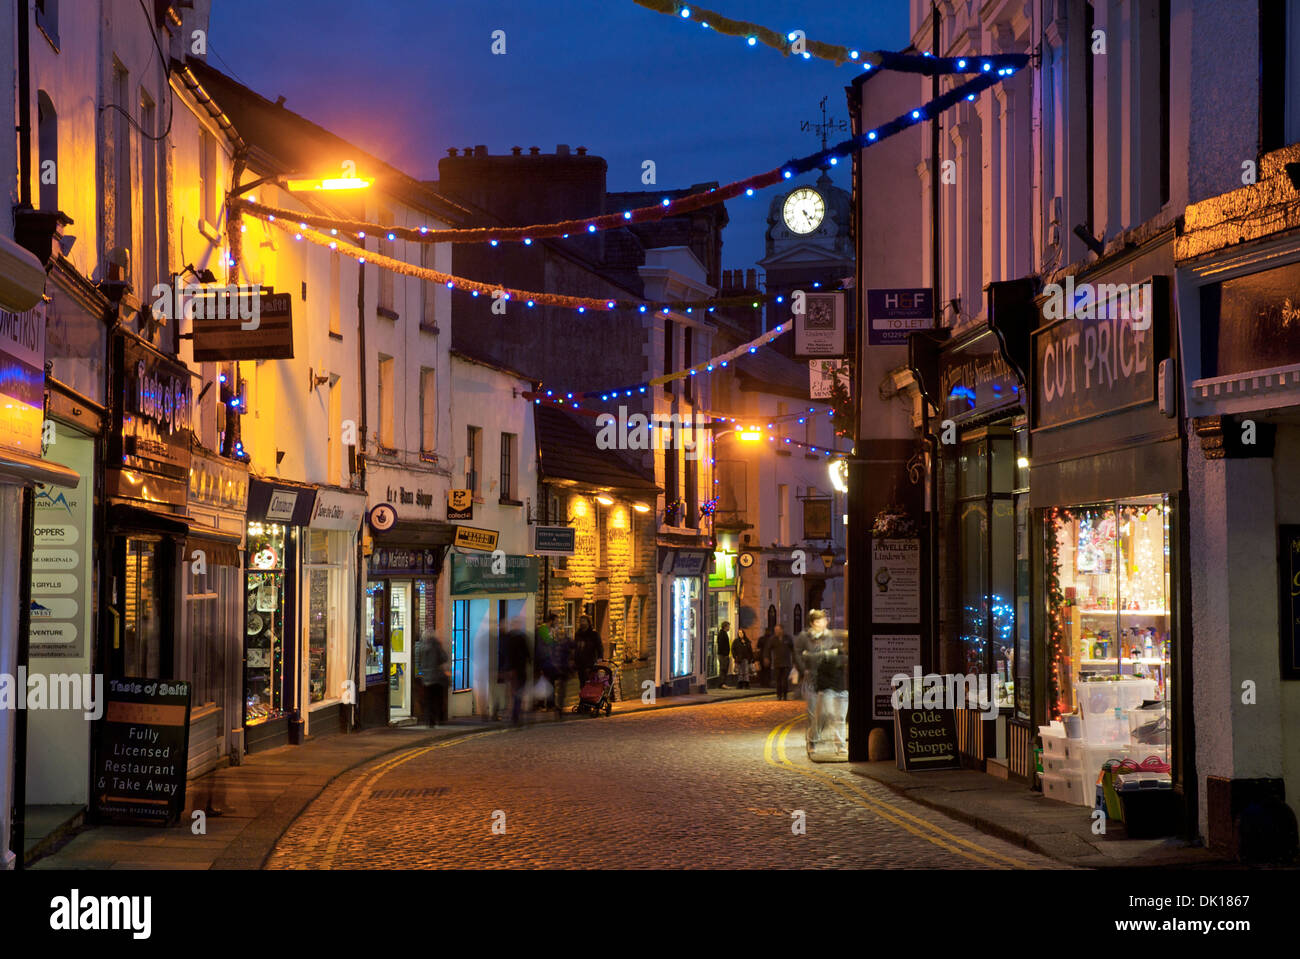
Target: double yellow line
(774, 753)
(359, 791)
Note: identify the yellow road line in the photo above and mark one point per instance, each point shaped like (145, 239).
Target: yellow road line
(361, 787)
(886, 810)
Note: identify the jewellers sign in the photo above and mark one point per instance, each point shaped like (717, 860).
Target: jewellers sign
(1099, 362)
(234, 323)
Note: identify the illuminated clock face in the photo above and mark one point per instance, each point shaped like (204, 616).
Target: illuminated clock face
(804, 210)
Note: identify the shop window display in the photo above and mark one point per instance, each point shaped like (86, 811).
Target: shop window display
(264, 623)
(1108, 636)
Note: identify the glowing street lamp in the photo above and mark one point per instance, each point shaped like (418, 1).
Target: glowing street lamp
(328, 184)
(749, 435)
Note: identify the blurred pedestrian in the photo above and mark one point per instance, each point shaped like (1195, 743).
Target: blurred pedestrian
(742, 651)
(517, 660)
(563, 663)
(587, 649)
(724, 654)
(546, 656)
(763, 657)
(434, 675)
(780, 657)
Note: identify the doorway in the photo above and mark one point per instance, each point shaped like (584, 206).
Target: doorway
(399, 643)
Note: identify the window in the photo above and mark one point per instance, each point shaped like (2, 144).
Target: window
(602, 537)
(688, 386)
(428, 411)
(207, 177)
(335, 291)
(47, 140)
(692, 467)
(508, 450)
(1279, 49)
(460, 672)
(642, 627)
(783, 513)
(428, 291)
(325, 614)
(387, 398)
(47, 19)
(473, 456)
(386, 248)
(147, 273)
(669, 355)
(123, 187)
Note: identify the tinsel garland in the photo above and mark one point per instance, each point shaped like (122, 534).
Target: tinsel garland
(834, 52)
(609, 221)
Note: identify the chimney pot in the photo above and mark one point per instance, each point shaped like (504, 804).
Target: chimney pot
(562, 150)
(751, 282)
(582, 151)
(516, 151)
(534, 151)
(452, 151)
(480, 151)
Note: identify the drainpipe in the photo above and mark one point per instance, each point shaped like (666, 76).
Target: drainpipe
(24, 105)
(361, 474)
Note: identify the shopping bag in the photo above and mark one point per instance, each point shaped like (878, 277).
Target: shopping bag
(794, 676)
(542, 689)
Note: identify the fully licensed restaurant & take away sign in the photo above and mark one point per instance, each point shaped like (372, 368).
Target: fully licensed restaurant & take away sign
(142, 751)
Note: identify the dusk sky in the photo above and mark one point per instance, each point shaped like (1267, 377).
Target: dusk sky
(408, 79)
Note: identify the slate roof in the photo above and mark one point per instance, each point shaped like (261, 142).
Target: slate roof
(767, 371)
(566, 449)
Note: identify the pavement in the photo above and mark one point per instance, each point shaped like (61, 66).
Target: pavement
(259, 799)
(1013, 812)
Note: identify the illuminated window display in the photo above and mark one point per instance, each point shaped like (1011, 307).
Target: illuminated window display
(1108, 638)
(265, 629)
(686, 624)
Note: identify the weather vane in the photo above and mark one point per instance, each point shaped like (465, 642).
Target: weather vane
(824, 129)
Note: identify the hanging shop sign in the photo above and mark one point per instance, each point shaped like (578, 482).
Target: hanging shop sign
(816, 517)
(470, 537)
(926, 739)
(474, 573)
(336, 509)
(149, 445)
(554, 540)
(396, 561)
(22, 380)
(1103, 360)
(277, 503)
(896, 580)
(894, 313)
(61, 554)
(723, 573)
(681, 562)
(238, 323)
(823, 375)
(1289, 599)
(460, 505)
(142, 751)
(819, 329)
(891, 655)
(382, 517)
(974, 378)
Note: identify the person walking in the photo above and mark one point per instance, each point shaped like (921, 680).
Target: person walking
(563, 664)
(742, 651)
(432, 662)
(587, 649)
(546, 655)
(516, 668)
(724, 654)
(763, 656)
(780, 658)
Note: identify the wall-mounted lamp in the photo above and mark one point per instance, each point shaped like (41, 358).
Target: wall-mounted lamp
(316, 380)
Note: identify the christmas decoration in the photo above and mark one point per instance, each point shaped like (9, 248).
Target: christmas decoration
(893, 522)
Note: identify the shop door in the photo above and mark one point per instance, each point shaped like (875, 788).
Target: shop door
(140, 604)
(399, 643)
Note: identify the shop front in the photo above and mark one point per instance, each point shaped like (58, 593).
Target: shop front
(210, 645)
(329, 572)
(682, 661)
(487, 600)
(723, 599)
(278, 517)
(1108, 501)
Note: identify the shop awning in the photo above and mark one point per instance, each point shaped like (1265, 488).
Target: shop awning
(414, 532)
(221, 547)
(124, 516)
(22, 279)
(24, 470)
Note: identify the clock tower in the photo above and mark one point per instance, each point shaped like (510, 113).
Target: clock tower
(809, 244)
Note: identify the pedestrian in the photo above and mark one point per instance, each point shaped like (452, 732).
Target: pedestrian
(724, 654)
(432, 662)
(545, 656)
(763, 657)
(517, 659)
(821, 658)
(587, 649)
(780, 657)
(742, 651)
(563, 664)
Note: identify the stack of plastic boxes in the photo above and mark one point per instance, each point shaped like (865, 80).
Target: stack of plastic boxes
(1071, 767)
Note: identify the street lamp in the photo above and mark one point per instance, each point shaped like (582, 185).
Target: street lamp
(839, 471)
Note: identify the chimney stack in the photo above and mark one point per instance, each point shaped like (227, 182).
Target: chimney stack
(480, 151)
(562, 150)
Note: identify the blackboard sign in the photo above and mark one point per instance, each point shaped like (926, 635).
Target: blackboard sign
(1288, 614)
(142, 751)
(926, 739)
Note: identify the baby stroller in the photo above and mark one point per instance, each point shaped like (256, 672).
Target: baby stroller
(597, 692)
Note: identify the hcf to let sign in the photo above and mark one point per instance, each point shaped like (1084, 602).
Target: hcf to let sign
(895, 313)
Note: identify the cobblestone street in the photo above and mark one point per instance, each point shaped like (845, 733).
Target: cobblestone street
(707, 786)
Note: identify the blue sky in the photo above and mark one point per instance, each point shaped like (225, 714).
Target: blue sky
(407, 79)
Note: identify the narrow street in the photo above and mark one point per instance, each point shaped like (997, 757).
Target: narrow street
(711, 786)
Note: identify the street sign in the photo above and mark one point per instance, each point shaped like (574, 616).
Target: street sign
(554, 540)
(468, 537)
(142, 751)
(460, 504)
(894, 313)
(925, 739)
